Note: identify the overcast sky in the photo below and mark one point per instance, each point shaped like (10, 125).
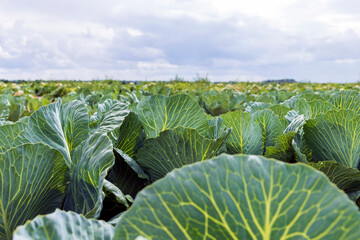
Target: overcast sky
(242, 40)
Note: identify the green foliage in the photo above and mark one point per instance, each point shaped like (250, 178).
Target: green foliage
(283, 149)
(346, 100)
(12, 135)
(176, 148)
(246, 136)
(30, 184)
(347, 179)
(270, 125)
(109, 116)
(216, 103)
(64, 225)
(158, 113)
(126, 174)
(130, 136)
(62, 127)
(90, 163)
(335, 136)
(241, 197)
(97, 148)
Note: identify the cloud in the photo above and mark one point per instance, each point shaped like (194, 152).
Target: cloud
(137, 40)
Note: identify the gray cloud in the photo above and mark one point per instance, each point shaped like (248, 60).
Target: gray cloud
(138, 40)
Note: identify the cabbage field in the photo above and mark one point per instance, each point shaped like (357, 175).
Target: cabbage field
(179, 160)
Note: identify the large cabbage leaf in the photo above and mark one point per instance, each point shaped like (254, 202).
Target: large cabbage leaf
(90, 163)
(130, 136)
(335, 136)
(62, 127)
(280, 111)
(159, 113)
(65, 127)
(283, 149)
(33, 181)
(270, 125)
(347, 179)
(12, 135)
(246, 136)
(126, 174)
(241, 197)
(346, 100)
(109, 116)
(300, 105)
(176, 148)
(62, 226)
(319, 106)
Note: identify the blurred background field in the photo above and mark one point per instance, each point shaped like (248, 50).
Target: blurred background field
(21, 98)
